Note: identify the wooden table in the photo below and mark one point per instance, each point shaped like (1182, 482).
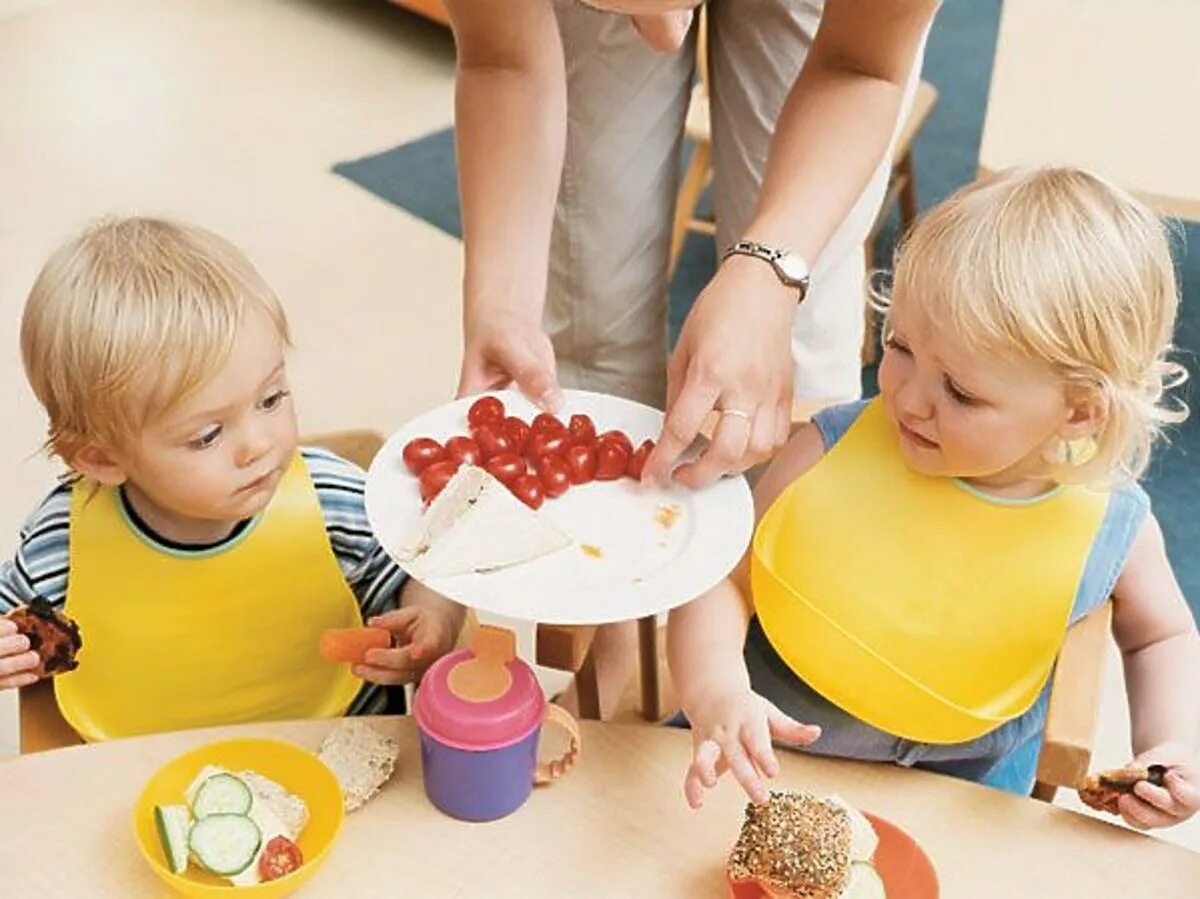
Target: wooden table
(1108, 86)
(616, 826)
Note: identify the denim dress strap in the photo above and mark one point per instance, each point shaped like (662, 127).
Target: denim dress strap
(834, 421)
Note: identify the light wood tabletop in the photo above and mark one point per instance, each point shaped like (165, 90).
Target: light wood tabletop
(1103, 85)
(617, 825)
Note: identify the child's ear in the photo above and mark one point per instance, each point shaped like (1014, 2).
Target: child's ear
(95, 462)
(1086, 412)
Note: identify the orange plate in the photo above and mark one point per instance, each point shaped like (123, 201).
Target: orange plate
(906, 870)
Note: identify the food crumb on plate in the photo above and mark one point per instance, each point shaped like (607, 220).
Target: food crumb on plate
(667, 516)
(594, 551)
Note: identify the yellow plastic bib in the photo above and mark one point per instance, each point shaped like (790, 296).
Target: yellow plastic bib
(176, 641)
(914, 604)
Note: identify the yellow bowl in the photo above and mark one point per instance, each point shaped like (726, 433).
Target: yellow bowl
(292, 767)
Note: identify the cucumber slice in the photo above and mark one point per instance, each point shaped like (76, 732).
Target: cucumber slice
(173, 822)
(225, 844)
(865, 883)
(222, 794)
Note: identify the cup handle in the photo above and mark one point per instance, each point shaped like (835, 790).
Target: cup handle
(549, 772)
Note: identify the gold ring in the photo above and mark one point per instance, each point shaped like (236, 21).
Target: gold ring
(736, 413)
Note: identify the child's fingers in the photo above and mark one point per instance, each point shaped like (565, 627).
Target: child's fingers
(13, 644)
(756, 738)
(693, 789)
(17, 681)
(1182, 790)
(788, 730)
(1158, 797)
(388, 677)
(397, 620)
(743, 769)
(398, 658)
(18, 664)
(704, 763)
(1142, 815)
(7, 627)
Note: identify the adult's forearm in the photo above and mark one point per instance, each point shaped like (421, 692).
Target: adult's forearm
(510, 127)
(1161, 682)
(832, 134)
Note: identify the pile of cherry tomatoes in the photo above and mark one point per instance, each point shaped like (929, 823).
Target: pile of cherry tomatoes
(535, 460)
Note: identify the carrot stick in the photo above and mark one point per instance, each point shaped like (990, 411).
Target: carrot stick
(351, 644)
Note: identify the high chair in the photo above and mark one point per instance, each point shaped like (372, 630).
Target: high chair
(902, 184)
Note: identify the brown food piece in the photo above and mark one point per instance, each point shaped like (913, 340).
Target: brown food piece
(1101, 791)
(52, 635)
(796, 846)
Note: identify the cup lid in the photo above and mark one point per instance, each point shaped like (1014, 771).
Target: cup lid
(483, 697)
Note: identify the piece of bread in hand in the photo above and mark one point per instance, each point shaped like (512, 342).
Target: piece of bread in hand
(1101, 791)
(51, 634)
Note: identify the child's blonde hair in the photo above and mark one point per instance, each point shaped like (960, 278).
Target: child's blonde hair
(127, 319)
(1058, 266)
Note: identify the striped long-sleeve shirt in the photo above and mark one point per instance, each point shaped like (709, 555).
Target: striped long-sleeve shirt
(41, 566)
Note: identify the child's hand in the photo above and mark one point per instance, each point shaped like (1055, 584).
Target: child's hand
(733, 732)
(16, 660)
(1177, 800)
(420, 636)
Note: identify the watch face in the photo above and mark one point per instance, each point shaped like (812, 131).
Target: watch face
(793, 268)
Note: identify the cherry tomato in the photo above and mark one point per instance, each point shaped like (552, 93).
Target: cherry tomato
(637, 462)
(485, 411)
(528, 489)
(464, 451)
(421, 452)
(544, 443)
(517, 433)
(279, 858)
(435, 477)
(619, 437)
(581, 429)
(581, 460)
(555, 475)
(506, 467)
(492, 442)
(612, 459)
(546, 422)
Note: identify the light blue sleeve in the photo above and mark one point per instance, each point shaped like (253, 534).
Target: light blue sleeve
(833, 422)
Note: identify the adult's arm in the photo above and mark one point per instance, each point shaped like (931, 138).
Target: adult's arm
(510, 125)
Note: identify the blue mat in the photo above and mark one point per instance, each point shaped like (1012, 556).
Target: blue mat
(419, 177)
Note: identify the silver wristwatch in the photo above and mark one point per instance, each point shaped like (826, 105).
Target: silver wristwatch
(790, 268)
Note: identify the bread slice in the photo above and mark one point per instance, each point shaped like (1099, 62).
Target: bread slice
(476, 524)
(361, 758)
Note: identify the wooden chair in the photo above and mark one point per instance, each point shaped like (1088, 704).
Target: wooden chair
(902, 185)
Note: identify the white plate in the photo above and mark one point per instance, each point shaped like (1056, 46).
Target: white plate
(643, 568)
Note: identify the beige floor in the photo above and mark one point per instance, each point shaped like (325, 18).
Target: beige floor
(230, 113)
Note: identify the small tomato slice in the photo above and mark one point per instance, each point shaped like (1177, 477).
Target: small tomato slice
(612, 460)
(544, 421)
(545, 443)
(280, 857)
(518, 434)
(491, 440)
(528, 489)
(464, 451)
(581, 460)
(485, 410)
(435, 477)
(637, 462)
(554, 475)
(421, 452)
(582, 429)
(506, 467)
(618, 437)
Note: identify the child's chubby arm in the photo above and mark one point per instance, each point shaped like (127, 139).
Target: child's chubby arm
(732, 727)
(1158, 640)
(424, 629)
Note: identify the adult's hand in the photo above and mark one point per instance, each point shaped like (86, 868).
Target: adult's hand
(507, 348)
(735, 357)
